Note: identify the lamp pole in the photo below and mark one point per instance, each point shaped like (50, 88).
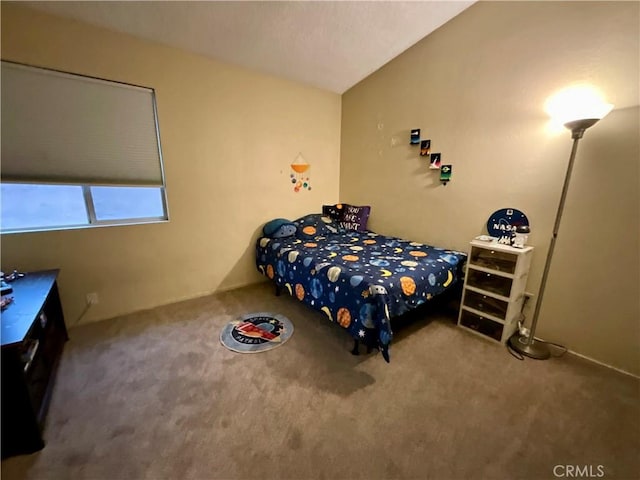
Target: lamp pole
(526, 344)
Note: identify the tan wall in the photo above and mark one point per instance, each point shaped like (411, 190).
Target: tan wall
(476, 87)
(228, 137)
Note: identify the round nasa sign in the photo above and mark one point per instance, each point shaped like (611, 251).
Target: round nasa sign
(502, 224)
(256, 332)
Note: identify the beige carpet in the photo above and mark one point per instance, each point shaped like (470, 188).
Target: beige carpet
(156, 396)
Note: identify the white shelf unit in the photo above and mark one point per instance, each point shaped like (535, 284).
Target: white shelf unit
(494, 289)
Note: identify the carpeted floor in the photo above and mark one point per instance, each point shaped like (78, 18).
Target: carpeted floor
(156, 396)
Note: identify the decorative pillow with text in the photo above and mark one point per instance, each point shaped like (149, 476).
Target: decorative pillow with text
(354, 217)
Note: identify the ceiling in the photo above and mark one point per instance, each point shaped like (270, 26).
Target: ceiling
(327, 44)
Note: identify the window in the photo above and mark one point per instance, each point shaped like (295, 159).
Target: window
(77, 151)
(32, 207)
(117, 203)
(26, 207)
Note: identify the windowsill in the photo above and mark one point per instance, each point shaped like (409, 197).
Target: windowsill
(114, 223)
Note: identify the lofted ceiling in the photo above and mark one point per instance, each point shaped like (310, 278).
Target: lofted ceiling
(327, 44)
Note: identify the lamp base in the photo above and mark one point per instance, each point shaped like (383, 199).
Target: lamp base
(537, 350)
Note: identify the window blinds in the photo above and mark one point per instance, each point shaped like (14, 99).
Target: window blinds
(71, 129)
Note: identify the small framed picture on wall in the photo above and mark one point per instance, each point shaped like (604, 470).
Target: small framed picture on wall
(435, 161)
(425, 148)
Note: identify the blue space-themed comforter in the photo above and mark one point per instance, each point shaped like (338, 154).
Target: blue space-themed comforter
(359, 280)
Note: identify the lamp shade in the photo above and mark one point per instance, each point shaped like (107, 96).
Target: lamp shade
(576, 103)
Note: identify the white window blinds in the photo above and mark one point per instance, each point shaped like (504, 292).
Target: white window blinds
(71, 129)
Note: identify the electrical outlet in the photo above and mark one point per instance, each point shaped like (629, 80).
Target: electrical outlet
(92, 298)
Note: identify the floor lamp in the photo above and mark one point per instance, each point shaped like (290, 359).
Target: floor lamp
(577, 110)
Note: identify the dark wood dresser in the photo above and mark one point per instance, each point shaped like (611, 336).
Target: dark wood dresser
(33, 336)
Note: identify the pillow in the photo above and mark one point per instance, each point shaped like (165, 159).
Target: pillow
(279, 228)
(315, 224)
(333, 211)
(355, 218)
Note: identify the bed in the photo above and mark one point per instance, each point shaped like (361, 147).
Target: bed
(358, 279)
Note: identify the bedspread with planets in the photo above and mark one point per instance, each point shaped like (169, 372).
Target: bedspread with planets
(359, 280)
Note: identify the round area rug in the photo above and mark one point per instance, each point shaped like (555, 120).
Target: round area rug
(256, 332)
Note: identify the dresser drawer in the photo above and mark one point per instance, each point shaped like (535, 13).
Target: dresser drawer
(482, 325)
(493, 259)
(489, 282)
(485, 303)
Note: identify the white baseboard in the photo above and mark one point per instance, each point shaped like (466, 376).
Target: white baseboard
(595, 361)
(603, 364)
